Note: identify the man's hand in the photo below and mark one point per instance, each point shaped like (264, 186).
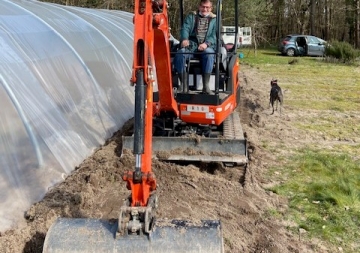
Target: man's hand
(185, 43)
(202, 47)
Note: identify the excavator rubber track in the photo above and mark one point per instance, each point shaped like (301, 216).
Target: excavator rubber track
(93, 235)
(230, 148)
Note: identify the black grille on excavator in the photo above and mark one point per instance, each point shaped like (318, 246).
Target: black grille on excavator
(196, 97)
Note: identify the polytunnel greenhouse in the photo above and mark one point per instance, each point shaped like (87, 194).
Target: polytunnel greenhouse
(64, 89)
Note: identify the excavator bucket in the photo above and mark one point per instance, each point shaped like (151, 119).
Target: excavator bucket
(92, 235)
(191, 149)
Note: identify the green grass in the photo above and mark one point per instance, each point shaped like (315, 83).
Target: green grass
(321, 183)
(324, 195)
(313, 82)
(339, 127)
(316, 85)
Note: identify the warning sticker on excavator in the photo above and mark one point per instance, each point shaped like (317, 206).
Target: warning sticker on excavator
(197, 108)
(210, 115)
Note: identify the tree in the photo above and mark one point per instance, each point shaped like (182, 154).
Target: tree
(270, 19)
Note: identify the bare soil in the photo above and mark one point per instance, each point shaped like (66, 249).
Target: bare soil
(237, 196)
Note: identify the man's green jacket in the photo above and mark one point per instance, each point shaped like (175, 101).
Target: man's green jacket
(188, 31)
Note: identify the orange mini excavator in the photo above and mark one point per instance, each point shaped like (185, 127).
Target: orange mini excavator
(168, 125)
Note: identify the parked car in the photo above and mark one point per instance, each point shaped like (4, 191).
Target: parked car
(301, 45)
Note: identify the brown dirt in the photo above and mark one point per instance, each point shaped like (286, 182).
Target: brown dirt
(236, 196)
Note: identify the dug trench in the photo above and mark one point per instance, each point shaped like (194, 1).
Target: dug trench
(234, 195)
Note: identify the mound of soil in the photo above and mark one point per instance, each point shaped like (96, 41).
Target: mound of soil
(235, 195)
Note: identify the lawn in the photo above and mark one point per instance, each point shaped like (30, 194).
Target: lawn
(321, 183)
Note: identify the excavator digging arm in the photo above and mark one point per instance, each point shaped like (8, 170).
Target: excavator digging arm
(151, 25)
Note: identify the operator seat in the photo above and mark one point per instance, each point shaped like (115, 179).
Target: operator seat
(194, 70)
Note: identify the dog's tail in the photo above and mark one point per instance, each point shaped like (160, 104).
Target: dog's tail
(281, 96)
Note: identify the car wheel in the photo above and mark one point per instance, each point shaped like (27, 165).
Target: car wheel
(290, 52)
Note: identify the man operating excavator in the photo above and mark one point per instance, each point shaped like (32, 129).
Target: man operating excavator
(198, 40)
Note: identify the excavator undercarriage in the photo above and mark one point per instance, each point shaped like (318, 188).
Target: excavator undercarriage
(179, 142)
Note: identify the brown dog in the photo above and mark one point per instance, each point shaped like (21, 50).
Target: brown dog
(276, 95)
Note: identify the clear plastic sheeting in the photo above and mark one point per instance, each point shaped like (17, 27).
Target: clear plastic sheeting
(64, 89)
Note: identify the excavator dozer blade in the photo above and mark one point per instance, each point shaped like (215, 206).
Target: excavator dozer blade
(196, 149)
(92, 235)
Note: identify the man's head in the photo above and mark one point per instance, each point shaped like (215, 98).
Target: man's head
(205, 7)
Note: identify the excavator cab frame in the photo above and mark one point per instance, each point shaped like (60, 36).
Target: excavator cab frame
(223, 56)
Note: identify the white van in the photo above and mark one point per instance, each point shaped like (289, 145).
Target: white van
(243, 39)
